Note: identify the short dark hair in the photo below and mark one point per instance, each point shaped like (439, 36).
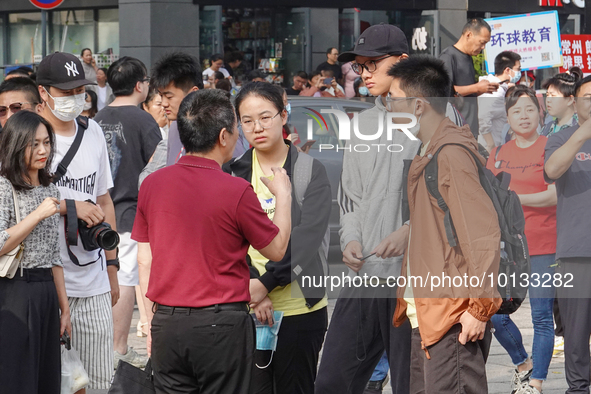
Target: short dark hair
(565, 83)
(22, 84)
(329, 50)
(84, 50)
(215, 57)
(267, 91)
(475, 25)
(516, 92)
(505, 59)
(301, 74)
(252, 75)
(328, 73)
(582, 82)
(424, 76)
(124, 74)
(219, 75)
(103, 69)
(151, 94)
(233, 56)
(17, 134)
(313, 74)
(22, 70)
(202, 115)
(94, 102)
(224, 85)
(178, 68)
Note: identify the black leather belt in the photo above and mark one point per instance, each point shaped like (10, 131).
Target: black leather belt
(34, 275)
(171, 310)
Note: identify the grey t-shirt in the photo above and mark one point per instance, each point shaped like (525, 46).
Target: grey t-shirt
(132, 135)
(573, 211)
(460, 68)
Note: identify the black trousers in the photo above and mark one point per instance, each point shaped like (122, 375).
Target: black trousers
(293, 366)
(202, 351)
(575, 311)
(360, 329)
(452, 367)
(30, 356)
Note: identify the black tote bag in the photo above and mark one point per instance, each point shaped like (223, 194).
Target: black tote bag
(132, 380)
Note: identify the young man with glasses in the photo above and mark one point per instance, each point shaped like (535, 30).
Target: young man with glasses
(568, 164)
(371, 223)
(132, 136)
(17, 94)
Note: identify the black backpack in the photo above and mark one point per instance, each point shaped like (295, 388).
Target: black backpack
(514, 252)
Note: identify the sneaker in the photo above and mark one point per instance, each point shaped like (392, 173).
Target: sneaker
(376, 386)
(558, 347)
(131, 357)
(519, 380)
(527, 389)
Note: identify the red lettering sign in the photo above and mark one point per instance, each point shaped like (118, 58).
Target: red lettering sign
(550, 3)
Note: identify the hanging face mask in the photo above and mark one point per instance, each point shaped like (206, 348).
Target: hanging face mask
(67, 108)
(416, 128)
(288, 109)
(364, 91)
(515, 78)
(87, 106)
(267, 336)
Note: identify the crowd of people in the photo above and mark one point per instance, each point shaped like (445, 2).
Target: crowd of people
(220, 216)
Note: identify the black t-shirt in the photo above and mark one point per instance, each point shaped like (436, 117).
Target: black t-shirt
(292, 92)
(336, 69)
(460, 68)
(573, 188)
(132, 135)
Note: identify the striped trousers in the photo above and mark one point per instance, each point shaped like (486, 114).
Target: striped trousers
(92, 337)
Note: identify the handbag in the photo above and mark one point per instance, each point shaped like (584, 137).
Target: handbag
(132, 380)
(10, 261)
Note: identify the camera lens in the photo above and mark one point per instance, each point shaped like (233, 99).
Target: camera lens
(107, 238)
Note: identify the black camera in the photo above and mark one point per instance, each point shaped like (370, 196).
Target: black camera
(99, 236)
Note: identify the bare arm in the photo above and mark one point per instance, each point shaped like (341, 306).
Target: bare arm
(543, 199)
(106, 204)
(479, 88)
(144, 259)
(60, 286)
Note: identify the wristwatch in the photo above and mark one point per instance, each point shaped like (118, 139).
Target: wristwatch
(114, 262)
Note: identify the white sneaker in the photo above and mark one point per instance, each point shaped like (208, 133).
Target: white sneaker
(131, 357)
(519, 380)
(527, 389)
(558, 347)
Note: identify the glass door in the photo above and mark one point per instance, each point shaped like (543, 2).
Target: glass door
(210, 31)
(292, 43)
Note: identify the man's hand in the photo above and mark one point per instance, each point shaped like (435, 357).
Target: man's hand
(351, 255)
(114, 282)
(394, 244)
(90, 213)
(280, 185)
(485, 86)
(472, 328)
(264, 311)
(334, 84)
(258, 292)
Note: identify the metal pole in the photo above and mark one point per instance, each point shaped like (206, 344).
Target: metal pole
(43, 33)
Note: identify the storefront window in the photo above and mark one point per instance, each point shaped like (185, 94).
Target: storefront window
(1, 43)
(108, 31)
(25, 37)
(73, 31)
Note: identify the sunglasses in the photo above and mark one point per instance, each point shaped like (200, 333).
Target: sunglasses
(14, 108)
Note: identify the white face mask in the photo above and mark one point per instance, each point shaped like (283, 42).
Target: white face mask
(67, 108)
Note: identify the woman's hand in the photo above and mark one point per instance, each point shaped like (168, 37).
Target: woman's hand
(49, 207)
(65, 323)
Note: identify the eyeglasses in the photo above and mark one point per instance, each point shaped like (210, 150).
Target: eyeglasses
(390, 100)
(370, 65)
(265, 122)
(14, 108)
(147, 79)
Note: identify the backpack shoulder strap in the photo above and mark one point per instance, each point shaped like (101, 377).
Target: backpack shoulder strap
(62, 167)
(302, 175)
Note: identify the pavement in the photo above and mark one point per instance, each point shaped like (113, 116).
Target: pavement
(499, 367)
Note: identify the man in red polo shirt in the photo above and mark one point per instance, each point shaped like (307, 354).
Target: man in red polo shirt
(194, 225)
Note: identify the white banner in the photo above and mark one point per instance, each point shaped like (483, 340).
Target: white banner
(535, 37)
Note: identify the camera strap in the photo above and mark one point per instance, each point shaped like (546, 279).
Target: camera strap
(62, 167)
(71, 231)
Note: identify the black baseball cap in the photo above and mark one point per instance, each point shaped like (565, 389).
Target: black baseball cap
(378, 40)
(61, 70)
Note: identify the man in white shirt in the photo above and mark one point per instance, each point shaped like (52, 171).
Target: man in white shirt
(90, 275)
(103, 91)
(492, 115)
